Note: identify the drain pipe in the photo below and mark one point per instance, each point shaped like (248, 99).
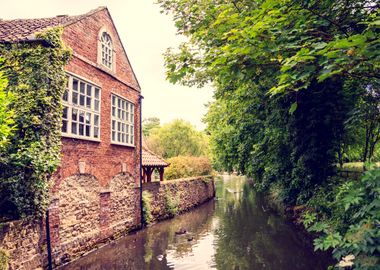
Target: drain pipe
(48, 241)
(140, 167)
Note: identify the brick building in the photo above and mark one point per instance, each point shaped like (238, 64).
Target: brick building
(96, 191)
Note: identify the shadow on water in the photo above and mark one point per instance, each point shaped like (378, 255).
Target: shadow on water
(235, 231)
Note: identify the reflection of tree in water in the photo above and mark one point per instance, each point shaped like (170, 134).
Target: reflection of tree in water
(251, 237)
(141, 250)
(248, 236)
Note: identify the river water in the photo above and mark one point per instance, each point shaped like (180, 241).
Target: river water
(235, 231)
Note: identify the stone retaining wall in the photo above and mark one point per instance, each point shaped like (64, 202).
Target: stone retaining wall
(25, 243)
(176, 196)
(84, 215)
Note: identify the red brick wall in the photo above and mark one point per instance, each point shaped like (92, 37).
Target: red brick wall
(103, 160)
(89, 208)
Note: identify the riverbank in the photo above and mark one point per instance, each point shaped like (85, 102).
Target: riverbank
(342, 216)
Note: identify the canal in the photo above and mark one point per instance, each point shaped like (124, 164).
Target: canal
(237, 230)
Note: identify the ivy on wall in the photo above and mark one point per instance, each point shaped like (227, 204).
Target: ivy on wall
(36, 78)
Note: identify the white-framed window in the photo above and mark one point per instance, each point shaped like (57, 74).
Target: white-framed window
(122, 121)
(106, 50)
(81, 110)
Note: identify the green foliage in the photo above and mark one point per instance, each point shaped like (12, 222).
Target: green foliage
(146, 205)
(281, 70)
(37, 80)
(177, 138)
(171, 204)
(4, 260)
(6, 114)
(148, 124)
(187, 166)
(350, 223)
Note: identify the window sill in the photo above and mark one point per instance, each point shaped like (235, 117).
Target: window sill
(123, 144)
(80, 138)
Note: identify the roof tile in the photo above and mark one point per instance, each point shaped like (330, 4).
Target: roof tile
(151, 159)
(25, 29)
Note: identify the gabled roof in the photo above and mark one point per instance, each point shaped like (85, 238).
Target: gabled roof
(19, 30)
(151, 159)
(24, 30)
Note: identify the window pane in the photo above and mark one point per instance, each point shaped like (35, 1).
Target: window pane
(89, 90)
(88, 102)
(97, 93)
(81, 100)
(73, 128)
(82, 87)
(88, 130)
(75, 85)
(96, 105)
(96, 120)
(113, 111)
(74, 115)
(113, 100)
(132, 120)
(96, 132)
(132, 139)
(64, 126)
(113, 135)
(75, 98)
(81, 117)
(65, 95)
(113, 124)
(119, 136)
(88, 118)
(81, 129)
(65, 112)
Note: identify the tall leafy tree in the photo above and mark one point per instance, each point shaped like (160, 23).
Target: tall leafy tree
(149, 124)
(279, 70)
(177, 138)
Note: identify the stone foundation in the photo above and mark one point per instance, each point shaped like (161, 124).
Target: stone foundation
(84, 215)
(178, 195)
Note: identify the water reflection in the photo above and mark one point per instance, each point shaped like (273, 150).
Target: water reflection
(236, 231)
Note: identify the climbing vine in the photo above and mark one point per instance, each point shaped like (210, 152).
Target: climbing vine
(36, 79)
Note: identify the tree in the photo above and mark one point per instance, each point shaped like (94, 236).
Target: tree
(149, 124)
(177, 138)
(279, 69)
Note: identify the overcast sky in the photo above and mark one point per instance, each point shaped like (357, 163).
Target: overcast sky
(145, 33)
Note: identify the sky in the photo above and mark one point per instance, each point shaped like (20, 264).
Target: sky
(146, 34)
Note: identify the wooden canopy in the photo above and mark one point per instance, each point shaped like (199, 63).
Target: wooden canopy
(150, 162)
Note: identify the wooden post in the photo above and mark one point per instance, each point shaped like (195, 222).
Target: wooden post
(149, 174)
(161, 171)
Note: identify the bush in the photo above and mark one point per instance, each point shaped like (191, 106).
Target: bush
(187, 166)
(171, 203)
(146, 205)
(349, 221)
(4, 260)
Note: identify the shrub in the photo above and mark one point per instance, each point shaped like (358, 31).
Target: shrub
(188, 166)
(147, 207)
(350, 222)
(171, 204)
(4, 260)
